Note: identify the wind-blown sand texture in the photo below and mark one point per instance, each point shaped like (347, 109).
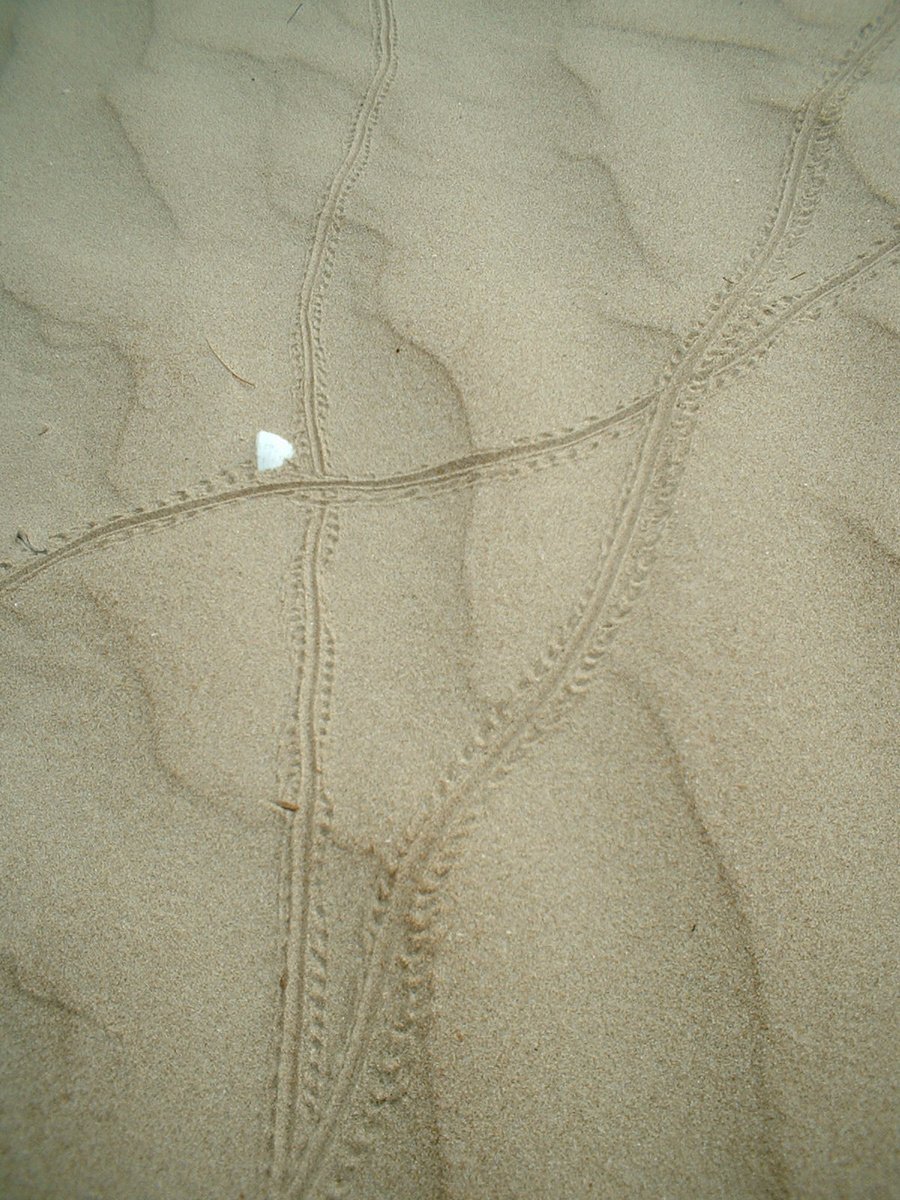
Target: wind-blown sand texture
(497, 801)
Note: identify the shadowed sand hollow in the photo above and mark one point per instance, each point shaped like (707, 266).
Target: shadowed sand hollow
(495, 800)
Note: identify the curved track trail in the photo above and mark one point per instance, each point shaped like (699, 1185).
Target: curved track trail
(330, 1080)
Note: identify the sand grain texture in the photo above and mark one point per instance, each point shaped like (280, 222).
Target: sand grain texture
(496, 801)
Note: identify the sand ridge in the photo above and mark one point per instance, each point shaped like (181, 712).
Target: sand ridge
(414, 821)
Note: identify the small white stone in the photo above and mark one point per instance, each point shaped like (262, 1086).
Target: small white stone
(272, 451)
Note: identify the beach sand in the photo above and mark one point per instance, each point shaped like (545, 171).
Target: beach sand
(498, 800)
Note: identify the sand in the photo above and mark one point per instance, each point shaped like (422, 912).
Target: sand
(497, 800)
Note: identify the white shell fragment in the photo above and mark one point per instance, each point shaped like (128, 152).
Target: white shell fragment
(272, 451)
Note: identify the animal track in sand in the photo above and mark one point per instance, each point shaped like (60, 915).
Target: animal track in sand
(326, 1102)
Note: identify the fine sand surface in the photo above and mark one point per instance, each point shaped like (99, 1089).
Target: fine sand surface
(497, 801)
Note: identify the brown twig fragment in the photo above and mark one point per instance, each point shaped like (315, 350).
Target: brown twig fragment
(239, 378)
(24, 540)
